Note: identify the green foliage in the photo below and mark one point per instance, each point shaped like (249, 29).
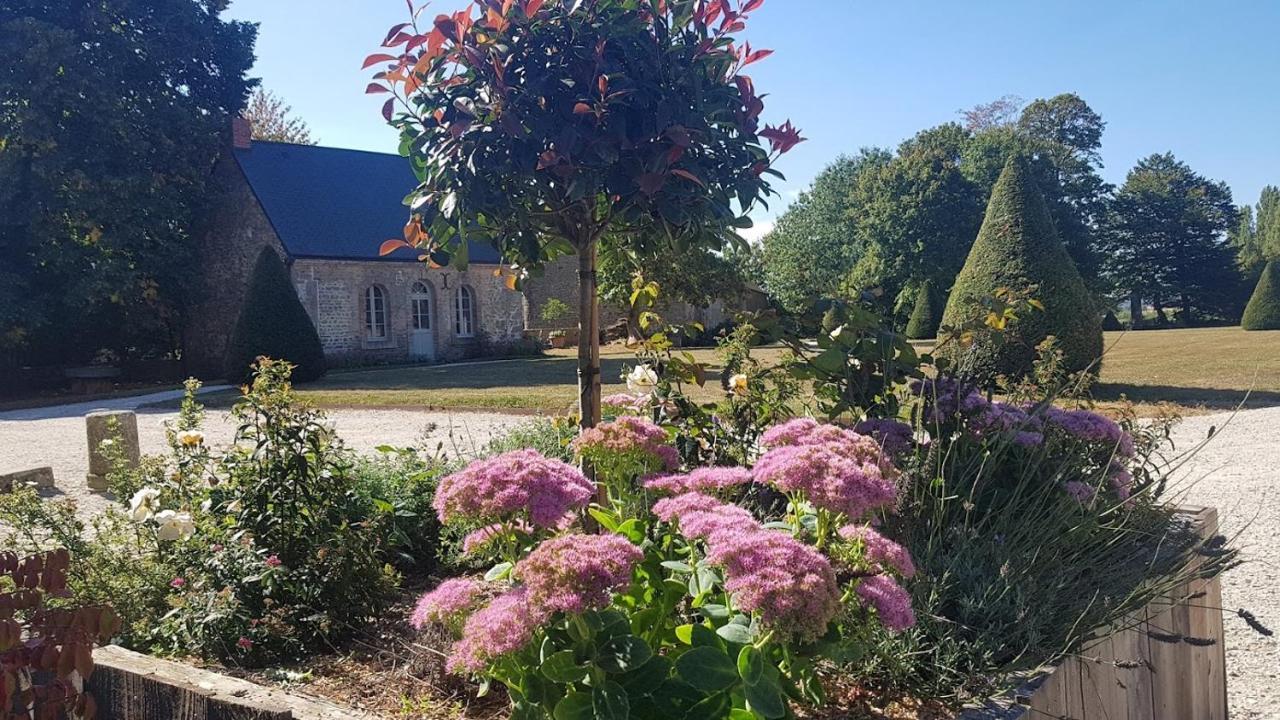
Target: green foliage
(814, 246)
(543, 127)
(273, 324)
(1166, 239)
(926, 315)
(100, 188)
(1018, 250)
(553, 310)
(1263, 311)
(400, 483)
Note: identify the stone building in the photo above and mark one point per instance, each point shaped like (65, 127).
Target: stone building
(326, 211)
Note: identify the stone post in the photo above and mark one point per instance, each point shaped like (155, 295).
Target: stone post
(119, 427)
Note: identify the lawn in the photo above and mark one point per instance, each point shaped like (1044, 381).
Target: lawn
(1199, 370)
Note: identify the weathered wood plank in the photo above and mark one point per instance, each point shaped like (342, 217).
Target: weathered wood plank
(131, 686)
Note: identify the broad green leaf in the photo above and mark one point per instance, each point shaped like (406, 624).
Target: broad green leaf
(750, 665)
(606, 519)
(497, 572)
(677, 566)
(707, 669)
(735, 633)
(610, 702)
(563, 667)
(647, 677)
(765, 698)
(575, 706)
(623, 654)
(715, 706)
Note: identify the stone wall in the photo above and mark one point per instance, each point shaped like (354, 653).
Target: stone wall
(334, 292)
(237, 231)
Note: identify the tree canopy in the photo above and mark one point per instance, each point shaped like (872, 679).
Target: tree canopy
(1167, 239)
(111, 118)
(544, 126)
(272, 119)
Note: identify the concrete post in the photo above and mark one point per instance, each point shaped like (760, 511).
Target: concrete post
(117, 426)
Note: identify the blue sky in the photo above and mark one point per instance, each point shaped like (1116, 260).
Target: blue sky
(1199, 79)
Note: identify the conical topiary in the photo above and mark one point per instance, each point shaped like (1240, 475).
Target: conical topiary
(273, 323)
(1018, 249)
(926, 315)
(1111, 323)
(1263, 310)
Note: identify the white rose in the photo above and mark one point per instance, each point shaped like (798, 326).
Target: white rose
(738, 384)
(190, 438)
(174, 525)
(642, 379)
(143, 504)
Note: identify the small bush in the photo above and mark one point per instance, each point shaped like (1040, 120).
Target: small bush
(1111, 323)
(273, 324)
(926, 315)
(401, 484)
(1263, 311)
(1018, 252)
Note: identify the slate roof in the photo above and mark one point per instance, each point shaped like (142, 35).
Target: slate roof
(333, 203)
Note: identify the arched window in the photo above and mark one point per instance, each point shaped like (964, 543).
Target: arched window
(375, 313)
(464, 313)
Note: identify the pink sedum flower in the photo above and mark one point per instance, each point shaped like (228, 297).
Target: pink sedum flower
(448, 601)
(630, 440)
(700, 515)
(831, 477)
(790, 584)
(891, 603)
(574, 573)
(880, 550)
(520, 485)
(707, 479)
(791, 432)
(506, 625)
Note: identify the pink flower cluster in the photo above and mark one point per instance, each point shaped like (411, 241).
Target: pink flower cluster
(504, 626)
(573, 573)
(891, 603)
(626, 402)
(449, 600)
(570, 573)
(790, 584)
(880, 550)
(706, 479)
(848, 475)
(630, 437)
(517, 485)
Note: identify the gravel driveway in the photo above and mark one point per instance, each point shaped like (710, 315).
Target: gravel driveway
(56, 436)
(1238, 473)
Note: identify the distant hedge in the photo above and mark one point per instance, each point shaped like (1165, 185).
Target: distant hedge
(1263, 310)
(273, 323)
(1111, 323)
(1018, 248)
(926, 316)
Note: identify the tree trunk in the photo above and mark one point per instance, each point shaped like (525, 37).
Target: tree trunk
(1135, 310)
(1188, 315)
(588, 337)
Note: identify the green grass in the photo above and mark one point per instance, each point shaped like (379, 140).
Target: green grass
(1198, 370)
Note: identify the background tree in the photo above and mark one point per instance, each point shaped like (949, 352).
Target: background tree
(111, 118)
(1018, 250)
(814, 245)
(917, 216)
(1246, 241)
(1167, 239)
(984, 116)
(697, 276)
(543, 127)
(273, 120)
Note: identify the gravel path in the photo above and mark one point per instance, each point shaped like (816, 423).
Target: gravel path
(1238, 472)
(56, 436)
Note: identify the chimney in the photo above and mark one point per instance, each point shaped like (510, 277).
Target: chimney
(241, 133)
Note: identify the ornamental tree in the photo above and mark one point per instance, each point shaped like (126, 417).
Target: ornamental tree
(543, 126)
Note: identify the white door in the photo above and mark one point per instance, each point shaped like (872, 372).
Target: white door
(422, 340)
